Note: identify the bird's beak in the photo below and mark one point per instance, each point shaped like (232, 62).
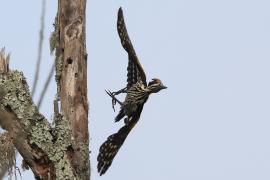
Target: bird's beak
(163, 87)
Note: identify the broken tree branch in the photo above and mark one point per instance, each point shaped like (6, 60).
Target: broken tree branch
(46, 153)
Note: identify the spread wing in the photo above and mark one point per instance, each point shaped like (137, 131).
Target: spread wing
(135, 69)
(111, 146)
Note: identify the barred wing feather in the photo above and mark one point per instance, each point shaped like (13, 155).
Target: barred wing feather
(135, 69)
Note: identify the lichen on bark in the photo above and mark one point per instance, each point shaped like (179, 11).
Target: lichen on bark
(37, 130)
(57, 151)
(54, 47)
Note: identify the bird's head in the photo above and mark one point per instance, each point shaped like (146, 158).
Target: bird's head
(156, 85)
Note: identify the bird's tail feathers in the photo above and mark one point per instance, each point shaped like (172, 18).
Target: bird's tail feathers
(111, 146)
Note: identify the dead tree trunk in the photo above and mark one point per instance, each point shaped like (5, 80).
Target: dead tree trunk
(60, 151)
(73, 79)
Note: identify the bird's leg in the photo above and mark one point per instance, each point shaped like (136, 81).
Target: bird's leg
(113, 94)
(124, 90)
(114, 99)
(126, 120)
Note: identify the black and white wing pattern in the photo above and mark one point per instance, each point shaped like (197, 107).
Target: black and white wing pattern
(135, 69)
(111, 146)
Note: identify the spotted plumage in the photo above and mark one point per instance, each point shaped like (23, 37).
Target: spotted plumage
(137, 92)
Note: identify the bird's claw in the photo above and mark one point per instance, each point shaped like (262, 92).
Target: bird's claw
(114, 93)
(111, 94)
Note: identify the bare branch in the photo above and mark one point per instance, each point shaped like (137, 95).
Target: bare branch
(44, 90)
(40, 45)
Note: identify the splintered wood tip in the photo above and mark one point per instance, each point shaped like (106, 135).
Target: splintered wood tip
(4, 61)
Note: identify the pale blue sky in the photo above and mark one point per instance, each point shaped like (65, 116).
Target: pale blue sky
(212, 123)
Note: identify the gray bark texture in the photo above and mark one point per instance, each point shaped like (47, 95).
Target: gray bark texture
(59, 151)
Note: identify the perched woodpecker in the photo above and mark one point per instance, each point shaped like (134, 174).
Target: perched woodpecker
(137, 92)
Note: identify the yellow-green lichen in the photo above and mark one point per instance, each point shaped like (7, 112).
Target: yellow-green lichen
(58, 72)
(55, 47)
(63, 141)
(54, 38)
(84, 153)
(17, 98)
(53, 41)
